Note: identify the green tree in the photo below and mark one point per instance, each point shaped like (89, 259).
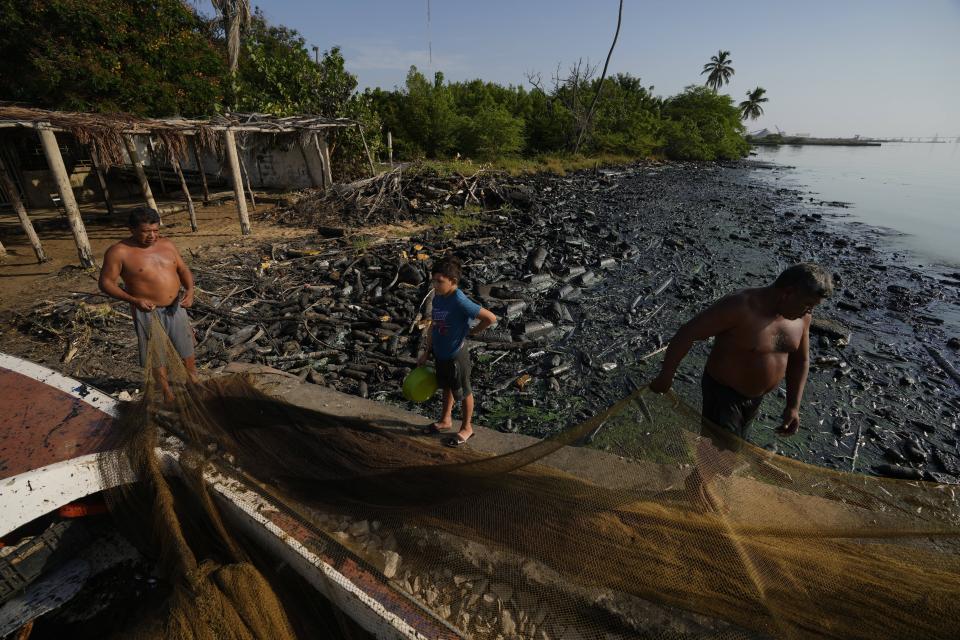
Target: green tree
(491, 131)
(703, 125)
(627, 120)
(146, 57)
(277, 74)
(750, 108)
(430, 118)
(720, 70)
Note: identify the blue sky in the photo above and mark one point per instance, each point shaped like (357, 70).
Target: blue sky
(841, 67)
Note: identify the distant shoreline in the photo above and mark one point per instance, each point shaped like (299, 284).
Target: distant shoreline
(825, 142)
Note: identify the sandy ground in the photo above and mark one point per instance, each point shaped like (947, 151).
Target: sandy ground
(23, 281)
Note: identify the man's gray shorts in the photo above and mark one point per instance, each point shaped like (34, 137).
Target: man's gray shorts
(176, 324)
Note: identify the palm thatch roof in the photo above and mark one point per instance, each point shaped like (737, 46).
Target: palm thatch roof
(103, 132)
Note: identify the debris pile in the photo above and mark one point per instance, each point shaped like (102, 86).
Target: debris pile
(589, 274)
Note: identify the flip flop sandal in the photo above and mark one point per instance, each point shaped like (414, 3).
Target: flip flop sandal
(457, 441)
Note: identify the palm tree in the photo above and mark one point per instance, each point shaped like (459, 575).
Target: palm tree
(750, 108)
(235, 15)
(719, 69)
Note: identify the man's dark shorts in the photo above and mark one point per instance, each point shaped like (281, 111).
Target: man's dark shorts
(725, 412)
(174, 321)
(454, 374)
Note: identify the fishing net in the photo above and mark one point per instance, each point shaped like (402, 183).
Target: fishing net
(656, 531)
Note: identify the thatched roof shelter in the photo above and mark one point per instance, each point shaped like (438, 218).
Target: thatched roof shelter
(110, 140)
(103, 132)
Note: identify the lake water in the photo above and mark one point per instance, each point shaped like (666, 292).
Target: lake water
(913, 188)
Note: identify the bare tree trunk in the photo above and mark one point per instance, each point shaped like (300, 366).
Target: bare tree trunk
(203, 175)
(52, 151)
(231, 150)
(603, 75)
(6, 180)
(186, 192)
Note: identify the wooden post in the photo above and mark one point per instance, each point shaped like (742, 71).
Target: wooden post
(186, 192)
(6, 181)
(52, 151)
(141, 174)
(373, 172)
(156, 165)
(203, 176)
(390, 148)
(231, 149)
(314, 161)
(246, 174)
(102, 179)
(324, 150)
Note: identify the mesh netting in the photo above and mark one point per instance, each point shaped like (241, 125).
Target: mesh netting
(669, 533)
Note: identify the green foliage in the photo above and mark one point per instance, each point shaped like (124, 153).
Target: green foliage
(146, 57)
(277, 74)
(703, 125)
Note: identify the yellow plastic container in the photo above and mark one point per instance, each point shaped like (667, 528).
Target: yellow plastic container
(420, 384)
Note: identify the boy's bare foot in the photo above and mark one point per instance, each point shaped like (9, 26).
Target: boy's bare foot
(438, 427)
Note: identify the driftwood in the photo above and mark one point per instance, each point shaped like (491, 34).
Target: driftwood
(944, 364)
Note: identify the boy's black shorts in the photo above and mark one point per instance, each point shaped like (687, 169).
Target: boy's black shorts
(454, 374)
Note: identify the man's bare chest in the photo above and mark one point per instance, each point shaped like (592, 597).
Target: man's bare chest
(149, 264)
(778, 336)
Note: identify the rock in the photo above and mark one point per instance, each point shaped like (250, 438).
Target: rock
(391, 563)
(830, 328)
(537, 328)
(507, 625)
(502, 590)
(536, 259)
(359, 528)
(896, 471)
(409, 274)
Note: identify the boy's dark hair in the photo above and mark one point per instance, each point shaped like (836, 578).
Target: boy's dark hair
(143, 215)
(450, 267)
(807, 277)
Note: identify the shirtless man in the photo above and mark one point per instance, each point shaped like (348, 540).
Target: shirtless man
(761, 337)
(152, 272)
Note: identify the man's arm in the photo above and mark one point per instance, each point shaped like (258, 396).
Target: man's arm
(186, 279)
(110, 273)
(798, 364)
(713, 321)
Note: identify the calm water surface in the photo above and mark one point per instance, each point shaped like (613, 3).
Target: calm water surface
(912, 188)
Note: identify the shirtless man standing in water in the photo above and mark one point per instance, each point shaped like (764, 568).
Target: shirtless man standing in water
(152, 272)
(761, 337)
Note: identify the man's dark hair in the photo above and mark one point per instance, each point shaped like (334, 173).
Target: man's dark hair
(808, 278)
(143, 215)
(450, 267)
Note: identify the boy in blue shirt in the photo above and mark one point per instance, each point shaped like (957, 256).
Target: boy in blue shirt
(453, 312)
